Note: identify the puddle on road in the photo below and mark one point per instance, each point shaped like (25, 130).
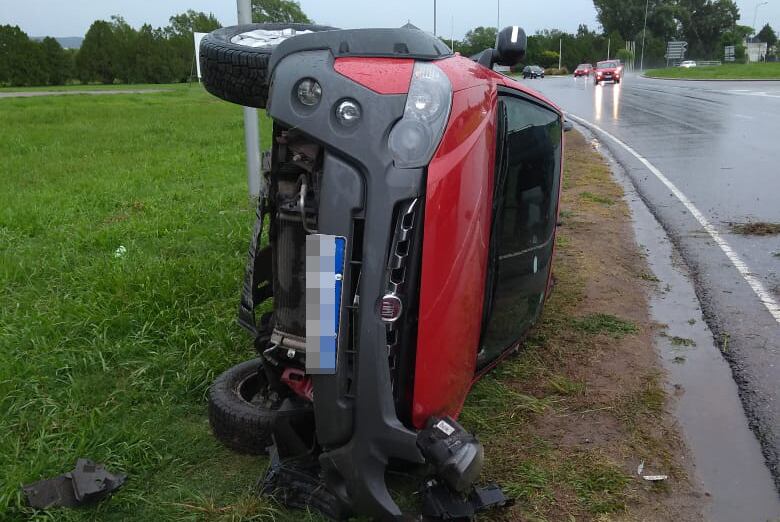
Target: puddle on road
(727, 457)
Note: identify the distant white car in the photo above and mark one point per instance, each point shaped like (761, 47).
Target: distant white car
(688, 64)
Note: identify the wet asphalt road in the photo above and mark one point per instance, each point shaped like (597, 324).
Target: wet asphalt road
(711, 147)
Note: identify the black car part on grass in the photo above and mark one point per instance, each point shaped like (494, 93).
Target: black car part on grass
(440, 503)
(456, 455)
(87, 483)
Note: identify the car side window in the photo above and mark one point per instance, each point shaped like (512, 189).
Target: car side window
(525, 209)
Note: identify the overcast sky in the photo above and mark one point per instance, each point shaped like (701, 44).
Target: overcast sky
(73, 17)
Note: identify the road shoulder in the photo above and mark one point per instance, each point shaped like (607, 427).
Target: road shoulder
(568, 422)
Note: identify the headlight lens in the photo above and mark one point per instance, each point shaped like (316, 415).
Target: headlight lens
(416, 136)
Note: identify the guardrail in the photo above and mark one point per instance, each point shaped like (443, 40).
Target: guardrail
(704, 63)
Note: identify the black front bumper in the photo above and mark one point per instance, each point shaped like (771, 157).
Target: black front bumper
(357, 424)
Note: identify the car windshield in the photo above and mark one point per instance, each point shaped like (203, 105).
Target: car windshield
(607, 65)
(584, 66)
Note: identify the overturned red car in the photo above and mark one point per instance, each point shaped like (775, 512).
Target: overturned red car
(403, 247)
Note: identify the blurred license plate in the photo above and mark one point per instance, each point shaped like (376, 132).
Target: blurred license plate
(324, 275)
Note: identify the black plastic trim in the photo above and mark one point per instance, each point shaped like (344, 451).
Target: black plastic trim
(354, 468)
(387, 43)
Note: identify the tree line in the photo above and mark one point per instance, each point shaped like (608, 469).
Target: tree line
(112, 51)
(584, 46)
(707, 25)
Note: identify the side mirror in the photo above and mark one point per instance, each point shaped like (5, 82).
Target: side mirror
(511, 44)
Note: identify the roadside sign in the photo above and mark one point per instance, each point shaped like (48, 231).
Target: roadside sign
(676, 50)
(731, 53)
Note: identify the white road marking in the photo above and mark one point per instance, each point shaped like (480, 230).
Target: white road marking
(758, 288)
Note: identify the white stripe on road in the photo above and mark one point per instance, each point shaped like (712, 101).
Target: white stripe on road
(758, 288)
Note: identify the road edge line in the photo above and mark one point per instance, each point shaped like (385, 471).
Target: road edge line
(758, 288)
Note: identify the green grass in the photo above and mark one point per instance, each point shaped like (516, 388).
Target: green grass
(101, 87)
(751, 71)
(682, 341)
(110, 357)
(597, 198)
(605, 324)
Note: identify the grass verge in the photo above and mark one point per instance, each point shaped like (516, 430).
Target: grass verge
(567, 421)
(108, 351)
(750, 71)
(756, 228)
(102, 87)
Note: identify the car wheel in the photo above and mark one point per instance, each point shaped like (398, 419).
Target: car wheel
(241, 410)
(234, 60)
(617, 81)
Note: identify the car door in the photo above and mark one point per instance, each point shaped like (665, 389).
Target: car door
(525, 201)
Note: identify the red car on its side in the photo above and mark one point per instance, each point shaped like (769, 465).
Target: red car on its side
(403, 248)
(608, 71)
(583, 69)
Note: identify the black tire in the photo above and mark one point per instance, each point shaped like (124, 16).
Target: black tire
(239, 73)
(241, 413)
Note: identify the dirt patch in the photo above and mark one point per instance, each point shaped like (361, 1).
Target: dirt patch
(756, 228)
(568, 421)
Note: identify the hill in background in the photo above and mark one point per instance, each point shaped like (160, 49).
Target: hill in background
(67, 42)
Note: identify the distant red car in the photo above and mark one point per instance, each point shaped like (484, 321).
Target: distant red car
(608, 71)
(583, 69)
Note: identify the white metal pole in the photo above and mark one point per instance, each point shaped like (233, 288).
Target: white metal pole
(498, 15)
(755, 17)
(609, 44)
(251, 125)
(452, 33)
(560, 53)
(644, 34)
(434, 17)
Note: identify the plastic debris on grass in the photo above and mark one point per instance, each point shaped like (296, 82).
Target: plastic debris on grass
(650, 478)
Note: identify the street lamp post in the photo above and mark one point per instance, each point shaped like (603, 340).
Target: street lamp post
(560, 54)
(644, 35)
(434, 17)
(251, 124)
(755, 16)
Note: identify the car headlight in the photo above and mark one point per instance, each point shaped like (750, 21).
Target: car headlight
(414, 139)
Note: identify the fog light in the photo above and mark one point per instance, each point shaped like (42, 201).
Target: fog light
(309, 92)
(348, 112)
(390, 308)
